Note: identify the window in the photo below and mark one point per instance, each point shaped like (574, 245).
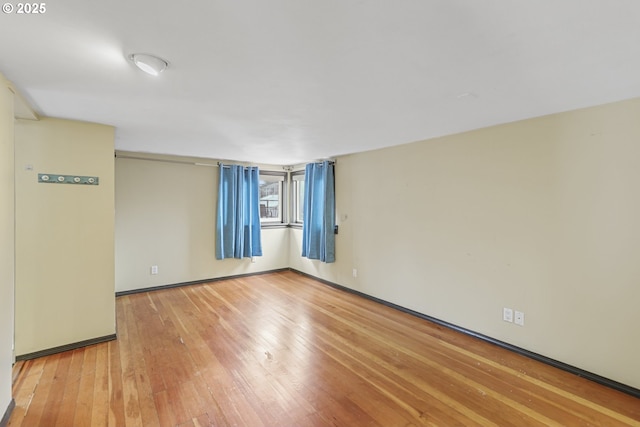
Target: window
(297, 197)
(271, 197)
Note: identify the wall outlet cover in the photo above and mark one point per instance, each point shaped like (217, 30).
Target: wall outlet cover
(519, 318)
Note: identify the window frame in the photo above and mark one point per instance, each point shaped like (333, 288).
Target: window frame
(294, 220)
(281, 221)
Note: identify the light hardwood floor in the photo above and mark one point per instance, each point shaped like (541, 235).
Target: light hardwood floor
(282, 349)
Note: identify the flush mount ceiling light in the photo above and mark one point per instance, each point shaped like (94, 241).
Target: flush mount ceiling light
(148, 63)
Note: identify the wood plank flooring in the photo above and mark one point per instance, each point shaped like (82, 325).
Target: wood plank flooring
(282, 349)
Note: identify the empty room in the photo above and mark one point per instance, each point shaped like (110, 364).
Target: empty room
(296, 213)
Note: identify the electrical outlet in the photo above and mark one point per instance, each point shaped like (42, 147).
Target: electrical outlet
(519, 318)
(507, 314)
(154, 269)
(355, 272)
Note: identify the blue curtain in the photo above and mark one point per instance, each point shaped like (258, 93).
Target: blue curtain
(238, 222)
(319, 220)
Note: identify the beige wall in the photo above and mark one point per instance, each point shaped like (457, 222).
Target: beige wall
(539, 215)
(64, 235)
(165, 216)
(6, 243)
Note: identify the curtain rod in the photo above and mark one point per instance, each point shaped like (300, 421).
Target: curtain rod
(231, 164)
(181, 162)
(331, 162)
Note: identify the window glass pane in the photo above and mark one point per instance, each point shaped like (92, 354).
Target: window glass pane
(300, 202)
(298, 197)
(271, 198)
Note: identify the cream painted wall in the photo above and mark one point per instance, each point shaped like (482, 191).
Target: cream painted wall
(6, 243)
(165, 216)
(64, 235)
(539, 215)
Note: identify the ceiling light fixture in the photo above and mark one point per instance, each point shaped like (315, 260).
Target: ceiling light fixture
(148, 63)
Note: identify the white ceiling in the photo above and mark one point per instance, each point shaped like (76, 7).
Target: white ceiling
(289, 81)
